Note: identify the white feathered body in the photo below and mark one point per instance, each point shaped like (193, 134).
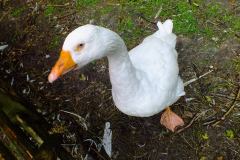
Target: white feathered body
(149, 81)
(145, 80)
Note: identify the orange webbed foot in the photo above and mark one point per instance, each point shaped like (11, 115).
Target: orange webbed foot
(171, 120)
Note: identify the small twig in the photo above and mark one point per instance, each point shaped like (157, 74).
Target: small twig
(195, 79)
(66, 15)
(59, 5)
(141, 156)
(230, 109)
(3, 16)
(209, 122)
(225, 96)
(196, 117)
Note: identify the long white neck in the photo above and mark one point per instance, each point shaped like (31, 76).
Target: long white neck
(122, 74)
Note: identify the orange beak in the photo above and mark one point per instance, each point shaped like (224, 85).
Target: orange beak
(64, 64)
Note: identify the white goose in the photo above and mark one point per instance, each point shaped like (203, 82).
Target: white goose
(144, 80)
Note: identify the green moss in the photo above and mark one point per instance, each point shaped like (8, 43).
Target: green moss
(229, 134)
(204, 136)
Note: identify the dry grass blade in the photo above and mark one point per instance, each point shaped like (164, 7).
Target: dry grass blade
(158, 12)
(81, 119)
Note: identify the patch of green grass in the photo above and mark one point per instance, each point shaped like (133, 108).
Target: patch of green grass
(131, 32)
(126, 24)
(213, 10)
(181, 12)
(185, 21)
(17, 12)
(216, 20)
(208, 32)
(236, 64)
(85, 3)
(211, 20)
(106, 10)
(236, 24)
(55, 42)
(49, 10)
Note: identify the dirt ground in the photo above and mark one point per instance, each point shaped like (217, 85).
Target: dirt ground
(34, 32)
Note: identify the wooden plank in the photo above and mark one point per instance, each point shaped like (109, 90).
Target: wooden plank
(17, 139)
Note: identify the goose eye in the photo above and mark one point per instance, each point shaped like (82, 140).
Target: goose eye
(79, 47)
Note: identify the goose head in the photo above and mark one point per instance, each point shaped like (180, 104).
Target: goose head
(83, 45)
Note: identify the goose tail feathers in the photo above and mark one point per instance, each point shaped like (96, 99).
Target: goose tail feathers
(165, 32)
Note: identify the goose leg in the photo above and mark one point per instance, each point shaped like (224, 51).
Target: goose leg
(171, 120)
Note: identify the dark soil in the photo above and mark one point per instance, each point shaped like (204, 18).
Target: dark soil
(35, 40)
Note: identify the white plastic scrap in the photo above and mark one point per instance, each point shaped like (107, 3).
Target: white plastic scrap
(12, 81)
(2, 47)
(47, 56)
(25, 91)
(21, 65)
(189, 99)
(8, 71)
(107, 139)
(33, 80)
(28, 78)
(41, 88)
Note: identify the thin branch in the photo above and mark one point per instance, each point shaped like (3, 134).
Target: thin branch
(230, 109)
(196, 117)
